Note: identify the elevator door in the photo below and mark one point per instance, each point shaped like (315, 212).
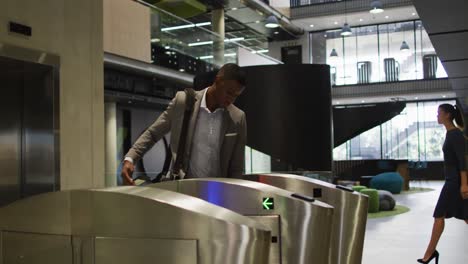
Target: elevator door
(27, 141)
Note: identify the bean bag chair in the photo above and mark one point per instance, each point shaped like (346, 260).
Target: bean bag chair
(358, 188)
(386, 200)
(388, 181)
(374, 203)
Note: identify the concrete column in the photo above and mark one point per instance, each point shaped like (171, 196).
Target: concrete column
(217, 21)
(111, 143)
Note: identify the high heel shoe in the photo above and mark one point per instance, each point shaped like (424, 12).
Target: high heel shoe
(434, 255)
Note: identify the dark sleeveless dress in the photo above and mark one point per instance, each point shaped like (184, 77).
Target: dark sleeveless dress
(451, 203)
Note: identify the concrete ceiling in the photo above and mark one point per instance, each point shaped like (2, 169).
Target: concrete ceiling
(447, 26)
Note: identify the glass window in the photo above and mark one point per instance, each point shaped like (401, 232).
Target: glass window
(367, 145)
(350, 53)
(367, 65)
(335, 59)
(341, 152)
(414, 134)
(384, 53)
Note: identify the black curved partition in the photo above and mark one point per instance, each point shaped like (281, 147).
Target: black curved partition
(289, 114)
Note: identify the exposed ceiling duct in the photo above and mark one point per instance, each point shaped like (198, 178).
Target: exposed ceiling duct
(285, 23)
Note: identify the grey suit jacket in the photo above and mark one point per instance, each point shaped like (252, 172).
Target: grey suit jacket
(233, 135)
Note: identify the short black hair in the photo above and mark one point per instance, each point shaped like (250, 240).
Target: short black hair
(232, 71)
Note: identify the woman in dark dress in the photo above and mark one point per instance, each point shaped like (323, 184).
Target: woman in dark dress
(453, 200)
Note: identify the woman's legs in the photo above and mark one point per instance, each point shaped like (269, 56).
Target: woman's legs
(437, 229)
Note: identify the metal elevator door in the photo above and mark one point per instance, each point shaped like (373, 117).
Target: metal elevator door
(28, 156)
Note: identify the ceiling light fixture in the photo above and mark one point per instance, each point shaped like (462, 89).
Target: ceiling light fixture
(311, 25)
(201, 43)
(271, 22)
(234, 8)
(186, 26)
(333, 53)
(276, 33)
(336, 23)
(386, 17)
(404, 46)
(376, 7)
(154, 40)
(211, 56)
(346, 30)
(361, 19)
(234, 39)
(210, 42)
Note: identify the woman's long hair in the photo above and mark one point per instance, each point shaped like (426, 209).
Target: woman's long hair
(455, 114)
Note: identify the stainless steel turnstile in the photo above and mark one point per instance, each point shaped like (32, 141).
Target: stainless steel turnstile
(350, 215)
(300, 226)
(127, 225)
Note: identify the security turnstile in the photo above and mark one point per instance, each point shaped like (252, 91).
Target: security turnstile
(300, 226)
(127, 225)
(350, 215)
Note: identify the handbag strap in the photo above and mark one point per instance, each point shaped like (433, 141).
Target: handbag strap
(189, 102)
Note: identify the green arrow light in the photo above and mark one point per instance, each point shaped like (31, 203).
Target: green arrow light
(268, 203)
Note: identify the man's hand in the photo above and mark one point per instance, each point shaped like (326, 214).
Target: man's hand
(127, 171)
(464, 191)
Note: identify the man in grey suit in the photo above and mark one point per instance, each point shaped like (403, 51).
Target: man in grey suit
(216, 134)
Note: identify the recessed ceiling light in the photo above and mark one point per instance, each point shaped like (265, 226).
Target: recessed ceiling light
(181, 70)
(336, 23)
(198, 39)
(276, 33)
(337, 102)
(154, 40)
(444, 96)
(257, 21)
(416, 98)
(311, 25)
(363, 101)
(325, 35)
(386, 17)
(234, 8)
(167, 47)
(361, 19)
(413, 14)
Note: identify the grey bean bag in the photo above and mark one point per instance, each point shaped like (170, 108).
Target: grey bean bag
(387, 201)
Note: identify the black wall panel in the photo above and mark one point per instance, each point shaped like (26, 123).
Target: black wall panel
(288, 110)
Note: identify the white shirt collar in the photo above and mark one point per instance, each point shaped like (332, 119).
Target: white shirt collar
(203, 103)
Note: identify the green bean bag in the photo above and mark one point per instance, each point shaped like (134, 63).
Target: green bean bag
(358, 188)
(374, 203)
(388, 181)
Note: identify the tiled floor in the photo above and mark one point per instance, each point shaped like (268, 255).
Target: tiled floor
(403, 238)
